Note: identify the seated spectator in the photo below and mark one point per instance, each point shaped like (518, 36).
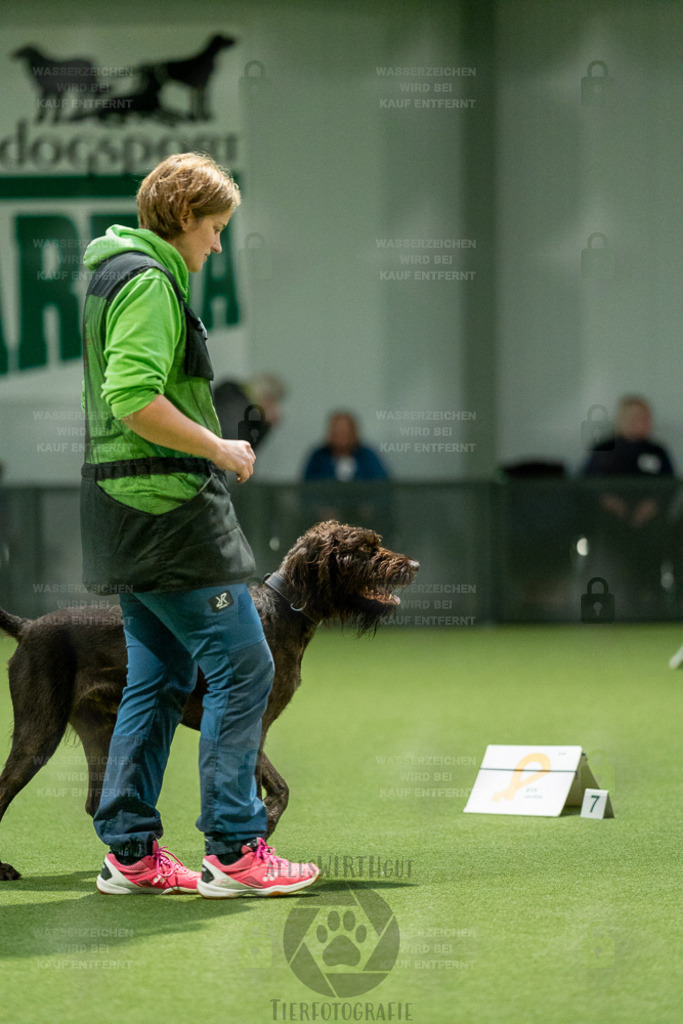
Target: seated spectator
(341, 460)
(630, 451)
(632, 520)
(343, 457)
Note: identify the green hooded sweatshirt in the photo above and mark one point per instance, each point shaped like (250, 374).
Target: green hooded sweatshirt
(144, 353)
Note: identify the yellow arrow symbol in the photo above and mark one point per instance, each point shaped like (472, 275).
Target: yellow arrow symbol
(517, 781)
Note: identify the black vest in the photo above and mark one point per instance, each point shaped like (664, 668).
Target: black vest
(197, 544)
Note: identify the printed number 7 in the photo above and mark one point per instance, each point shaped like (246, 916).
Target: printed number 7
(595, 800)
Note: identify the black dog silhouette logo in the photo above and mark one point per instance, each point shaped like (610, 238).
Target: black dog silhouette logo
(343, 943)
(74, 87)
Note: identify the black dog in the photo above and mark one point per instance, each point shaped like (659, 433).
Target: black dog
(54, 79)
(70, 665)
(143, 103)
(195, 72)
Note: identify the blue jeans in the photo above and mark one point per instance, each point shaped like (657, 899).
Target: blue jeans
(167, 636)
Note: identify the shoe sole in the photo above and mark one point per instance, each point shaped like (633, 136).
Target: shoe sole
(119, 890)
(218, 892)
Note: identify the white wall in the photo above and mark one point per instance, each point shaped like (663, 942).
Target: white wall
(565, 170)
(526, 173)
(327, 171)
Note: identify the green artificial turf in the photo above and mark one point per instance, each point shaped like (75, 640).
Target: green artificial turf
(501, 920)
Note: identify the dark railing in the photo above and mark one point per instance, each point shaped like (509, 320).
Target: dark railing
(490, 552)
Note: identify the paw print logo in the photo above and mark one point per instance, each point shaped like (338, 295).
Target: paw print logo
(341, 949)
(343, 943)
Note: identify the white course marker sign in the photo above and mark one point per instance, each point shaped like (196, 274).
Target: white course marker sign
(596, 804)
(534, 780)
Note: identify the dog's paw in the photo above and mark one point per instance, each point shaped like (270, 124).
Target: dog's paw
(342, 947)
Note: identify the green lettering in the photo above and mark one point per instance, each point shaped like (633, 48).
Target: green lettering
(43, 284)
(4, 357)
(219, 283)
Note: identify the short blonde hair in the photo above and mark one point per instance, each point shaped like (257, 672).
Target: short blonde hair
(182, 184)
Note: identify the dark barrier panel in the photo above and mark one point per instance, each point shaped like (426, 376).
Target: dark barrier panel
(519, 551)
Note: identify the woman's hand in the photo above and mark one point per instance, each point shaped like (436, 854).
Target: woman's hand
(237, 456)
(161, 423)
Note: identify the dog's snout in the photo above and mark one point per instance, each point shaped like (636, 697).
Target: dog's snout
(414, 565)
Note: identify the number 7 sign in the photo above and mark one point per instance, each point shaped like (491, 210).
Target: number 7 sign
(596, 804)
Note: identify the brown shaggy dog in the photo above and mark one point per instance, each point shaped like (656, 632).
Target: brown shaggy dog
(70, 665)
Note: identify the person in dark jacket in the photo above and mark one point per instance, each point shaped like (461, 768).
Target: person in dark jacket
(344, 461)
(631, 516)
(343, 457)
(631, 452)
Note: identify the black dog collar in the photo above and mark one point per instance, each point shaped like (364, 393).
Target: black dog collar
(277, 583)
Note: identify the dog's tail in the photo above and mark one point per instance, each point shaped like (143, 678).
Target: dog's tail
(12, 624)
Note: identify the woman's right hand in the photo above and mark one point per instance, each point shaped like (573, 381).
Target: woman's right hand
(162, 423)
(236, 456)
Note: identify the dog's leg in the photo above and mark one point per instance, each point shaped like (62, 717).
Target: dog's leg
(41, 687)
(202, 104)
(94, 728)
(21, 765)
(34, 742)
(277, 793)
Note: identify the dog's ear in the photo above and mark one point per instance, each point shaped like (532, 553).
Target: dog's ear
(298, 568)
(328, 537)
(306, 564)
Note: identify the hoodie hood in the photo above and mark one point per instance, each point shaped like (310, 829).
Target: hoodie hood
(123, 239)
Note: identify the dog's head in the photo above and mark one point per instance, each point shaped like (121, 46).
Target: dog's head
(343, 572)
(219, 42)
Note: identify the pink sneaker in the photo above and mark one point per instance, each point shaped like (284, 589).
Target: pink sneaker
(158, 872)
(258, 873)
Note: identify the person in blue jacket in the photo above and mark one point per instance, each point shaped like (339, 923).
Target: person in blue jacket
(343, 457)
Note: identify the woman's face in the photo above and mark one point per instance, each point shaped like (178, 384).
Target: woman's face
(635, 422)
(200, 237)
(342, 435)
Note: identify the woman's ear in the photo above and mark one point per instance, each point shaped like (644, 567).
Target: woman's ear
(185, 220)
